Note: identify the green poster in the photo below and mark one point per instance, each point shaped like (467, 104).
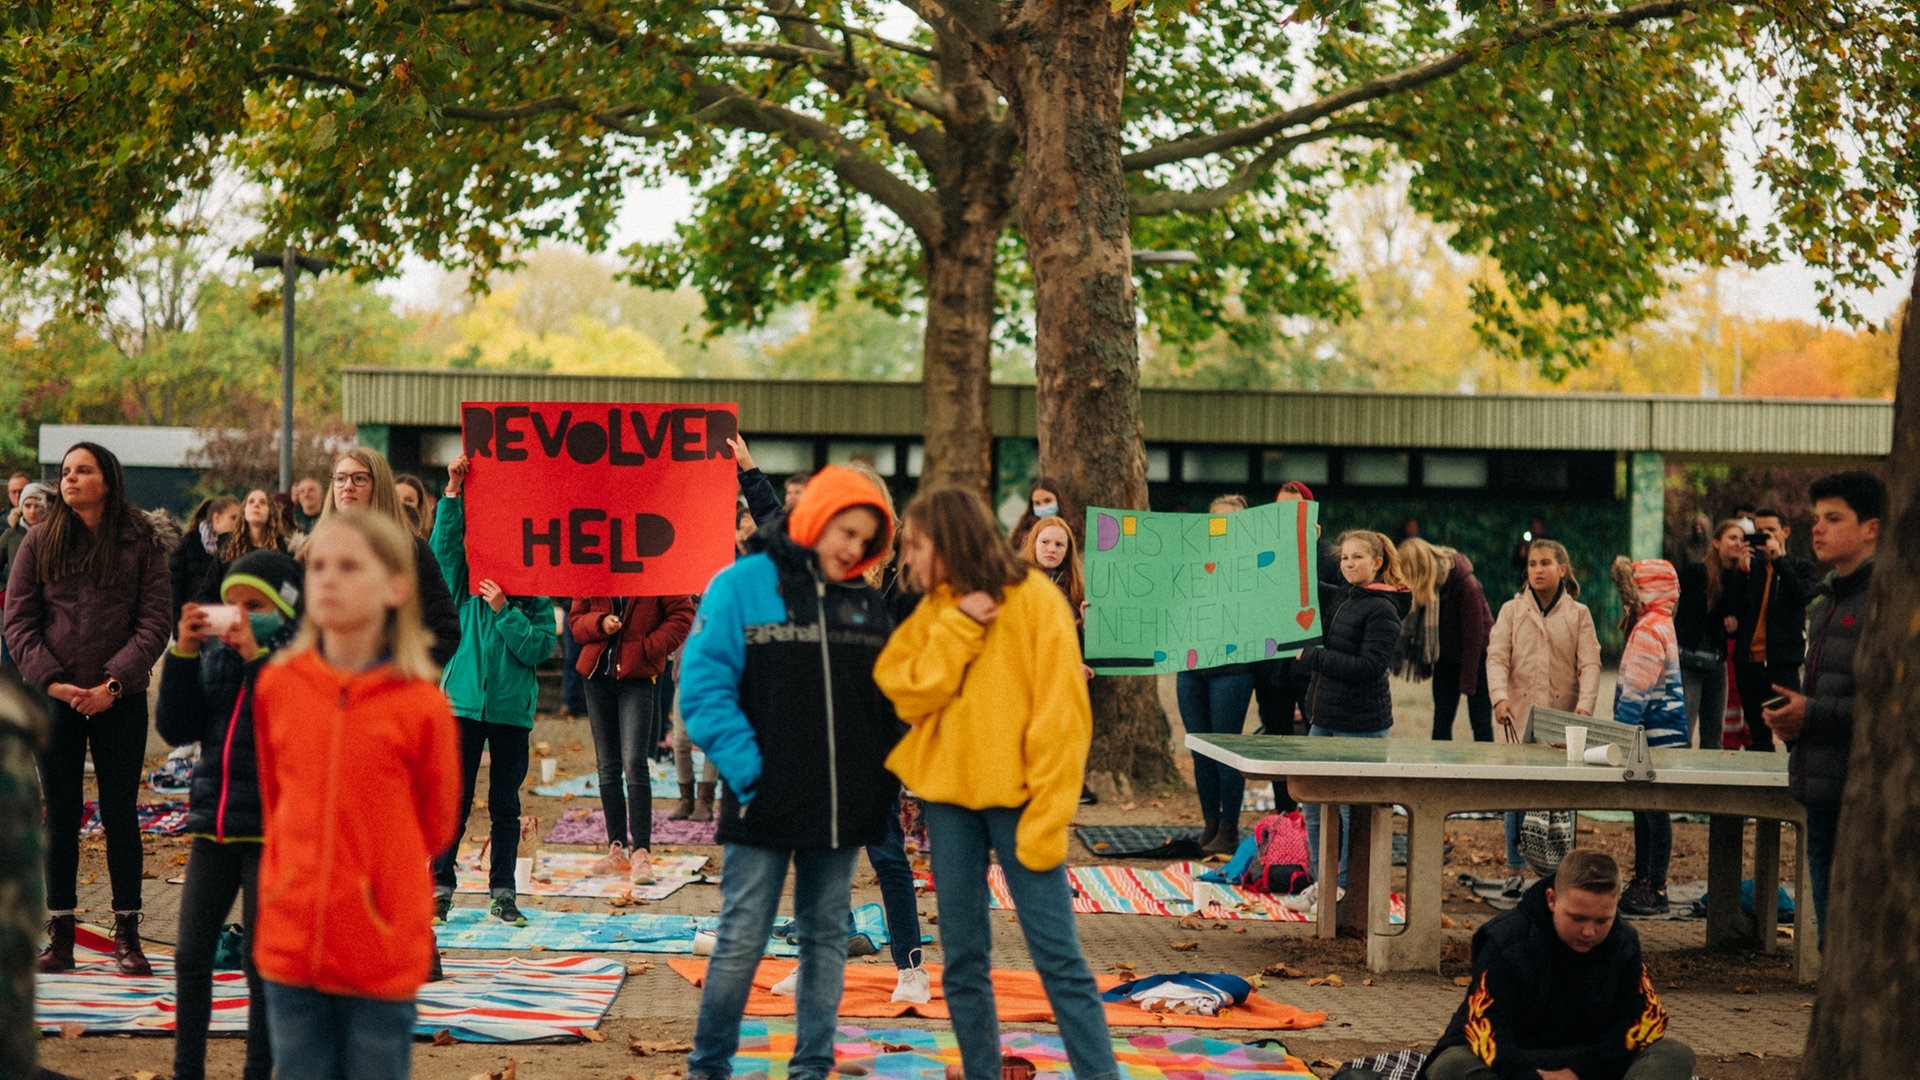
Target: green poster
(1178, 592)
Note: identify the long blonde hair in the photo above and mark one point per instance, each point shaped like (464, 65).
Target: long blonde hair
(1382, 547)
(1426, 568)
(385, 502)
(408, 642)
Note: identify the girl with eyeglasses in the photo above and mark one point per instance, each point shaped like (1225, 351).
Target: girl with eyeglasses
(363, 480)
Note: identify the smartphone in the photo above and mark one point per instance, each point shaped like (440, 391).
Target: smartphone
(220, 618)
(1774, 702)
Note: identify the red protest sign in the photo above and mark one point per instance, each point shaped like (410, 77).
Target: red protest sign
(576, 499)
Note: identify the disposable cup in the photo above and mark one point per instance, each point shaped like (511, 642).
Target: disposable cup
(523, 875)
(1604, 754)
(548, 767)
(1576, 743)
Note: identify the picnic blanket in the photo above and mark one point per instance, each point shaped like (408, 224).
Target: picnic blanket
(661, 776)
(1017, 995)
(160, 817)
(590, 931)
(1141, 841)
(480, 1000)
(566, 873)
(913, 1054)
(588, 825)
(1174, 891)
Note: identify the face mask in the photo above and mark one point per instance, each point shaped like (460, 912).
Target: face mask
(1046, 511)
(264, 624)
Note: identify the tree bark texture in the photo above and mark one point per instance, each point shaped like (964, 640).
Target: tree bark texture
(1061, 64)
(1869, 1002)
(974, 187)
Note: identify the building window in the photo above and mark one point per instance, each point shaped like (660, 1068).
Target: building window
(880, 456)
(1538, 472)
(1159, 464)
(782, 457)
(1454, 470)
(916, 459)
(439, 447)
(1226, 465)
(1307, 466)
(1368, 468)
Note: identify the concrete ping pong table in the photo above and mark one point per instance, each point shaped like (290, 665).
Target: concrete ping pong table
(1434, 779)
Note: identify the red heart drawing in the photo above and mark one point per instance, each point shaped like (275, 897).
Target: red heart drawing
(1305, 618)
(1210, 567)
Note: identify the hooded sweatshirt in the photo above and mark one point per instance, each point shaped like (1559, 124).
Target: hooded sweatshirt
(1533, 1003)
(776, 684)
(1648, 693)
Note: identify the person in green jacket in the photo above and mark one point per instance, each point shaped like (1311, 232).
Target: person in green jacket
(491, 683)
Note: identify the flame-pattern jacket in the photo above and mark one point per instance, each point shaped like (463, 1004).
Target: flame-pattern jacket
(1535, 1004)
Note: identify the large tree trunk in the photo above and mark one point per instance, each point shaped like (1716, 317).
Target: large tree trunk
(1062, 68)
(975, 191)
(1869, 1003)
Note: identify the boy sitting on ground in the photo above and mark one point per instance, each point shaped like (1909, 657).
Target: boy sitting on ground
(1559, 991)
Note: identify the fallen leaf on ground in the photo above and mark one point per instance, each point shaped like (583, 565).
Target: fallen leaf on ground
(1183, 946)
(645, 1048)
(639, 967)
(1745, 990)
(1190, 922)
(443, 1037)
(1366, 982)
(1447, 923)
(593, 1035)
(1462, 980)
(72, 1031)
(1330, 980)
(1284, 971)
(1123, 965)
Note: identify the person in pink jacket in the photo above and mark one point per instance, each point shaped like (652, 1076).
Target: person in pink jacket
(1543, 651)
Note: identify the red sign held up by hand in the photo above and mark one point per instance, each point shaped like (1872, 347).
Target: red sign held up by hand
(595, 499)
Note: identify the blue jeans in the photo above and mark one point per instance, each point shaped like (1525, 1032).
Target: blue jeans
(1215, 705)
(901, 903)
(320, 1036)
(1311, 811)
(749, 897)
(572, 693)
(620, 715)
(1515, 860)
(962, 840)
(507, 745)
(1823, 830)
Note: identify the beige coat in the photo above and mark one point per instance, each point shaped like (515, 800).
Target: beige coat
(1535, 659)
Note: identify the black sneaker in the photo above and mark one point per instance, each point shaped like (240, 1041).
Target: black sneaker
(1644, 901)
(1087, 796)
(507, 911)
(441, 906)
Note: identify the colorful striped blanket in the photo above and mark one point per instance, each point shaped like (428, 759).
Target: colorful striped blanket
(1173, 890)
(160, 817)
(512, 1000)
(566, 873)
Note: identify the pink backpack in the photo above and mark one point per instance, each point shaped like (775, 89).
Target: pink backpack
(1280, 859)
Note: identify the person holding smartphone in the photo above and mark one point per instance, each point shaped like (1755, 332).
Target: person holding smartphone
(1769, 605)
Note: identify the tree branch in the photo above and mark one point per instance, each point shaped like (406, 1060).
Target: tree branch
(733, 108)
(975, 22)
(524, 111)
(1157, 203)
(1395, 82)
(835, 25)
(307, 74)
(598, 29)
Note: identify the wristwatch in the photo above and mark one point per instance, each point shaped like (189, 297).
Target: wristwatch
(113, 687)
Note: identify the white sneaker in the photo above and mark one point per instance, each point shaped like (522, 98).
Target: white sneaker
(1307, 900)
(914, 986)
(785, 987)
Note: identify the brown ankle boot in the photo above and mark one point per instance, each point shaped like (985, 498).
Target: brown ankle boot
(703, 804)
(58, 955)
(1224, 842)
(684, 809)
(126, 944)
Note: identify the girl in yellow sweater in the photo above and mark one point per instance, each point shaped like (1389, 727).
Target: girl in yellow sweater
(986, 673)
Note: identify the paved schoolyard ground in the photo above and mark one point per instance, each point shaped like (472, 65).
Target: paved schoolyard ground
(1743, 1014)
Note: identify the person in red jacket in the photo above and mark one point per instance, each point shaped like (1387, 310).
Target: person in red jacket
(360, 785)
(625, 643)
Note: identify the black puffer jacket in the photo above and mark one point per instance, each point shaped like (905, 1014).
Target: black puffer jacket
(197, 704)
(1534, 1004)
(1347, 673)
(1817, 761)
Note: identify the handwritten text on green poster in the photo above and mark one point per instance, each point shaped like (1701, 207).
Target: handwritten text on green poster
(1180, 592)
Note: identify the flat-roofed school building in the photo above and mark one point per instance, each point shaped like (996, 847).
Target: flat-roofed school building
(1472, 470)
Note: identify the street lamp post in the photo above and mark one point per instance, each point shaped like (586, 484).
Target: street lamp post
(290, 263)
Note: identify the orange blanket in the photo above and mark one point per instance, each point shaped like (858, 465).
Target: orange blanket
(1017, 996)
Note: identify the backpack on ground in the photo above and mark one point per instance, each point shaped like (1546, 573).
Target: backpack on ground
(1279, 865)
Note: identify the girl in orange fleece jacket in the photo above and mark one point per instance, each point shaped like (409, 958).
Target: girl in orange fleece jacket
(360, 784)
